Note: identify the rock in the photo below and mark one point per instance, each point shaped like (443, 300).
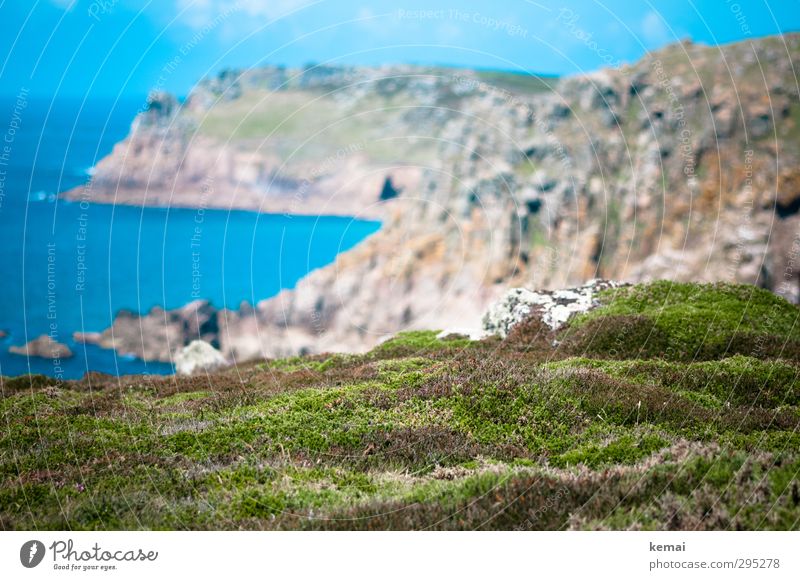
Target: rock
(43, 347)
(514, 307)
(554, 307)
(198, 320)
(453, 333)
(198, 356)
(161, 108)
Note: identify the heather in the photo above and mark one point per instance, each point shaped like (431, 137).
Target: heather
(589, 427)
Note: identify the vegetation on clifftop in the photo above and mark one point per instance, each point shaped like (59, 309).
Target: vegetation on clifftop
(603, 430)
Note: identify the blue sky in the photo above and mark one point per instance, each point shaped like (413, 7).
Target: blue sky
(125, 47)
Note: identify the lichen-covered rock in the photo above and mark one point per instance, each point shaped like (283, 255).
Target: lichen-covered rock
(514, 307)
(198, 355)
(554, 308)
(43, 347)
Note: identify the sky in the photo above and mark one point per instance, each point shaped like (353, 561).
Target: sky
(113, 48)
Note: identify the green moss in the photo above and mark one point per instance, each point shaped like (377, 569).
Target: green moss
(735, 380)
(10, 385)
(415, 342)
(703, 399)
(422, 433)
(625, 450)
(295, 363)
(680, 321)
(449, 493)
(784, 477)
(530, 417)
(408, 372)
(418, 339)
(180, 398)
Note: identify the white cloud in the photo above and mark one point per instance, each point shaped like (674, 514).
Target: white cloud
(654, 31)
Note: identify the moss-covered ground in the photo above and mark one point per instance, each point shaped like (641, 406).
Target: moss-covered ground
(593, 427)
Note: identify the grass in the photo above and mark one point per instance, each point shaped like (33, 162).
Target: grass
(304, 126)
(308, 126)
(518, 83)
(423, 433)
(681, 321)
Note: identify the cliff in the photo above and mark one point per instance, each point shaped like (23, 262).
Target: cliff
(681, 166)
(316, 141)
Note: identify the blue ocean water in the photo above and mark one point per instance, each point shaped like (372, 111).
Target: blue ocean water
(71, 267)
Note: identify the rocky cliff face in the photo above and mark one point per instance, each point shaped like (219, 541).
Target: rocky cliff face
(335, 141)
(682, 166)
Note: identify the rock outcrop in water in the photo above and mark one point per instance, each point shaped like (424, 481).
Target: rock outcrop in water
(44, 347)
(158, 334)
(682, 166)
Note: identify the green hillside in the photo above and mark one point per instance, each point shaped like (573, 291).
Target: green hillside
(425, 433)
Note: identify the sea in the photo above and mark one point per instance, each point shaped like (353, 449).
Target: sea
(69, 267)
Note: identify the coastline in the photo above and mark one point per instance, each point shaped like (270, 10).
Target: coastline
(613, 174)
(133, 200)
(145, 240)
